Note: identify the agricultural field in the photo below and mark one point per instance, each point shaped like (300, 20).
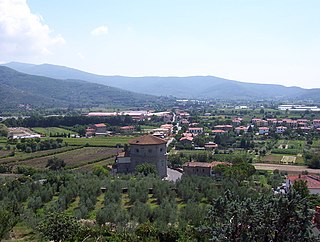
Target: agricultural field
(90, 167)
(22, 156)
(52, 131)
(74, 158)
(282, 159)
(109, 141)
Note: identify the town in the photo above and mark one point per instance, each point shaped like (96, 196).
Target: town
(190, 147)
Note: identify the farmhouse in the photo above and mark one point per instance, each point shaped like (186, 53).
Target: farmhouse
(145, 149)
(280, 129)
(195, 130)
(263, 130)
(241, 129)
(201, 168)
(313, 182)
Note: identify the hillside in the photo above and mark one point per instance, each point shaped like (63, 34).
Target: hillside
(181, 87)
(20, 89)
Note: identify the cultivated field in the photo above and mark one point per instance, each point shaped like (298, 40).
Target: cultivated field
(52, 130)
(109, 141)
(74, 158)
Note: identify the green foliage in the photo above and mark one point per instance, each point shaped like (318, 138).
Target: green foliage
(263, 219)
(301, 188)
(55, 164)
(8, 220)
(59, 227)
(3, 130)
(146, 169)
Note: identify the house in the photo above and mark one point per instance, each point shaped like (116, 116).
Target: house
(316, 123)
(184, 122)
(100, 129)
(264, 130)
(304, 129)
(195, 130)
(218, 131)
(145, 149)
(210, 146)
(168, 127)
(186, 140)
(226, 127)
(237, 121)
(127, 129)
(201, 168)
(281, 129)
(241, 129)
(313, 182)
(271, 121)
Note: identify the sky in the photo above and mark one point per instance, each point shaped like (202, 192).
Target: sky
(260, 41)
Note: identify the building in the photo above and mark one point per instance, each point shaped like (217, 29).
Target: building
(281, 129)
(127, 129)
(100, 129)
(210, 146)
(226, 127)
(145, 149)
(263, 130)
(195, 130)
(241, 129)
(201, 168)
(316, 123)
(313, 182)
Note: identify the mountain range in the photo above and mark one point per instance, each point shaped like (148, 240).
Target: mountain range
(200, 87)
(20, 89)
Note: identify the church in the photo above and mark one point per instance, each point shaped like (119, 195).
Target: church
(144, 149)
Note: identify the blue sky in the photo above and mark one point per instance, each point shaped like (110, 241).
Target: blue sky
(262, 41)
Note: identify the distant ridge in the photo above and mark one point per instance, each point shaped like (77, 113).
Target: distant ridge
(19, 89)
(201, 87)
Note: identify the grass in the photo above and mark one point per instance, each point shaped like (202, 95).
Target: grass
(99, 205)
(73, 206)
(110, 141)
(52, 130)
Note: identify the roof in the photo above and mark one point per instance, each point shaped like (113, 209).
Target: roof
(205, 164)
(186, 138)
(147, 140)
(218, 131)
(263, 128)
(313, 182)
(100, 125)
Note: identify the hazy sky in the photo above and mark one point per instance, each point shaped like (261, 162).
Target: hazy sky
(263, 41)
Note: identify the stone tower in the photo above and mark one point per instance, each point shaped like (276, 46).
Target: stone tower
(149, 149)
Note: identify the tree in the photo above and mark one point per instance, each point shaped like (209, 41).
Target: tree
(59, 227)
(267, 218)
(55, 164)
(300, 186)
(146, 169)
(7, 221)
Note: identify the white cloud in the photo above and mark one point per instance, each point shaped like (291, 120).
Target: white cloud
(101, 30)
(22, 33)
(81, 56)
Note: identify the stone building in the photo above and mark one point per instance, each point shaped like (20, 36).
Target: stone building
(144, 149)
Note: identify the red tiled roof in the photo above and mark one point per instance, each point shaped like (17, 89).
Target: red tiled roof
(313, 182)
(147, 140)
(100, 125)
(218, 131)
(263, 128)
(186, 138)
(205, 164)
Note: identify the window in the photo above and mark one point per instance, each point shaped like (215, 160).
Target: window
(160, 149)
(137, 150)
(150, 150)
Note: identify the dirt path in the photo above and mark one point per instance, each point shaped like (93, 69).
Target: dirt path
(288, 168)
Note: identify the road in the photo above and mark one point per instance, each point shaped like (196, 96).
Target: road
(173, 175)
(288, 168)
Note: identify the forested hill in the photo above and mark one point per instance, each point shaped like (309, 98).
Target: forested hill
(209, 87)
(17, 89)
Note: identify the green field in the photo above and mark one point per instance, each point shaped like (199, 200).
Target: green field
(110, 141)
(52, 130)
